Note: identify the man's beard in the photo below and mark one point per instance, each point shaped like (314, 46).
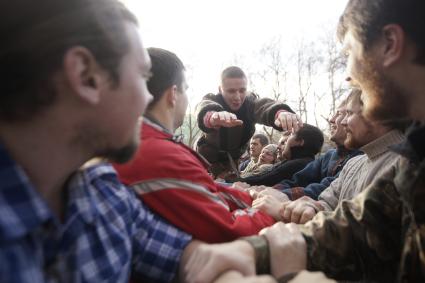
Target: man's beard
(120, 155)
(383, 100)
(97, 142)
(351, 142)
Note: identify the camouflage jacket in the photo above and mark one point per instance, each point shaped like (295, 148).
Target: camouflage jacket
(379, 235)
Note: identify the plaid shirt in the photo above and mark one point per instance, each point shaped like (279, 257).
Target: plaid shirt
(106, 233)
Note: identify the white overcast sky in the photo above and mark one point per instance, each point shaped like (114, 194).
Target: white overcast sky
(208, 35)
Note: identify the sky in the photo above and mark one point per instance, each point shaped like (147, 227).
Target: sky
(211, 35)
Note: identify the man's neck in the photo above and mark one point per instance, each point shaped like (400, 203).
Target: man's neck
(47, 158)
(162, 117)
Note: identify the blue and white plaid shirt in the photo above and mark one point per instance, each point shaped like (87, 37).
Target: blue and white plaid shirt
(107, 232)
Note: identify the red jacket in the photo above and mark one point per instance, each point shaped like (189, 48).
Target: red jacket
(173, 181)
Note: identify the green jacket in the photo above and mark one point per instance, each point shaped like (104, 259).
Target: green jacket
(380, 234)
(214, 144)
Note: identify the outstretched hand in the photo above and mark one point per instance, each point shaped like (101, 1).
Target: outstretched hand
(224, 119)
(289, 122)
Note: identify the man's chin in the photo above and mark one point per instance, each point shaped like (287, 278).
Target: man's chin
(121, 155)
(351, 144)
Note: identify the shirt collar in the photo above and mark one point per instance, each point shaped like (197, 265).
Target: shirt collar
(382, 144)
(157, 125)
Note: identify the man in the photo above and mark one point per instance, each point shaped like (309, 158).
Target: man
(372, 138)
(73, 86)
(320, 173)
(228, 120)
(378, 236)
(256, 145)
(295, 152)
(172, 179)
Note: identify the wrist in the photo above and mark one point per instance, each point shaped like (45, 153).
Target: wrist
(260, 252)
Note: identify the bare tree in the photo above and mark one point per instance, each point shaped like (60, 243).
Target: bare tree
(334, 62)
(273, 77)
(189, 129)
(307, 59)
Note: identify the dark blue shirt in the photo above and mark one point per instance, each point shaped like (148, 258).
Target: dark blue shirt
(317, 175)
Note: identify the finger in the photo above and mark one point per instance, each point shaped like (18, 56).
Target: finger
(307, 215)
(300, 122)
(256, 202)
(287, 211)
(253, 193)
(232, 116)
(285, 123)
(296, 214)
(215, 116)
(294, 123)
(237, 122)
(277, 122)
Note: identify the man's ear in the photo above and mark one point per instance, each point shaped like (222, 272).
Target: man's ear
(84, 75)
(219, 89)
(171, 95)
(394, 40)
(300, 142)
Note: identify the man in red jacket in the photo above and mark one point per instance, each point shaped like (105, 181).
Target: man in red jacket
(172, 179)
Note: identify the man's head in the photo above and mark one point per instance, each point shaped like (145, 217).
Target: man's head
(337, 132)
(233, 87)
(281, 145)
(79, 62)
(360, 131)
(168, 85)
(258, 141)
(385, 44)
(306, 142)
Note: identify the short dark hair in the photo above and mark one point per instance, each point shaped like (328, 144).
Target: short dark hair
(264, 140)
(167, 70)
(313, 139)
(35, 37)
(232, 72)
(366, 19)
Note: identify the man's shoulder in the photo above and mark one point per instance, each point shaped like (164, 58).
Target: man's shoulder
(102, 178)
(100, 190)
